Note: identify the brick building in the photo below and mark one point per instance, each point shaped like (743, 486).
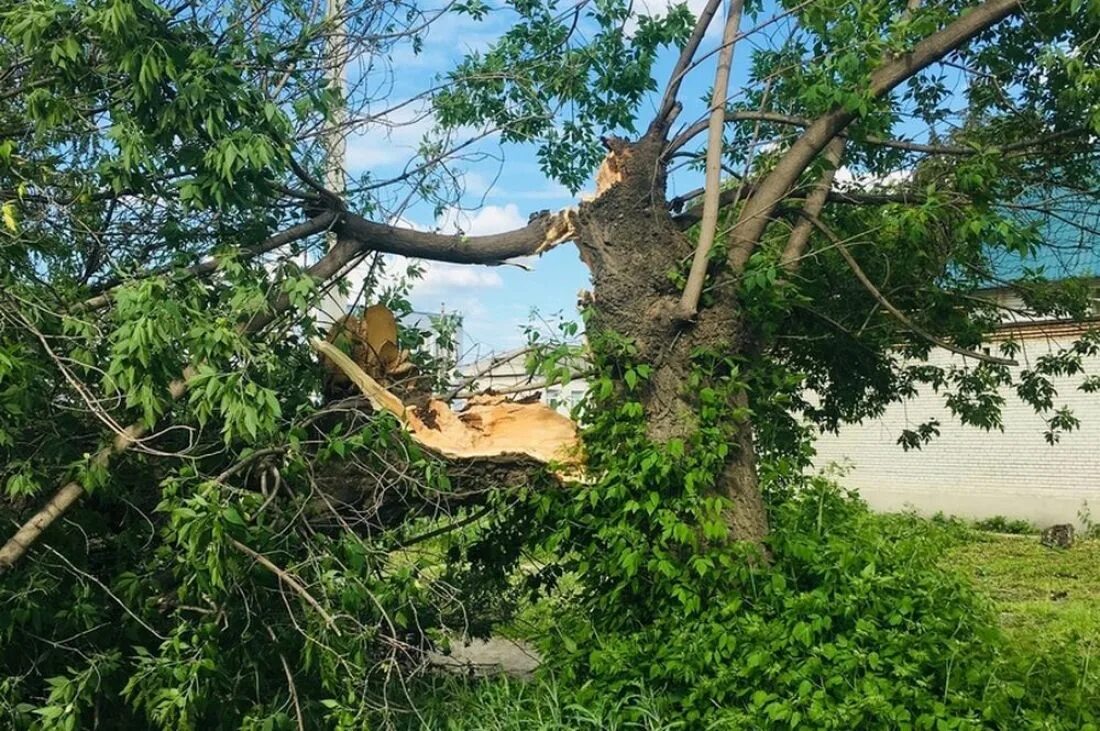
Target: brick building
(967, 471)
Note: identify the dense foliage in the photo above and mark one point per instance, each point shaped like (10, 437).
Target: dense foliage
(244, 551)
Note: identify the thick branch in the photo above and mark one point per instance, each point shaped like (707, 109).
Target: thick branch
(294, 233)
(456, 248)
(683, 63)
(811, 209)
(689, 302)
(758, 209)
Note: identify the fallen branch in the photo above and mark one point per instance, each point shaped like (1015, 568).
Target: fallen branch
(489, 427)
(294, 584)
(69, 493)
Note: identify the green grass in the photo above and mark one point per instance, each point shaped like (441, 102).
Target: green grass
(1046, 597)
(1048, 602)
(503, 704)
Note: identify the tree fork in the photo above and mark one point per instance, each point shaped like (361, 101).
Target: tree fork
(631, 243)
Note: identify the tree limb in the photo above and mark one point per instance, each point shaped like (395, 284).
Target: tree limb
(689, 301)
(811, 209)
(757, 210)
(672, 89)
(455, 248)
(889, 306)
(315, 225)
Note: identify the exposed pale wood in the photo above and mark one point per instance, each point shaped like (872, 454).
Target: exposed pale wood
(487, 427)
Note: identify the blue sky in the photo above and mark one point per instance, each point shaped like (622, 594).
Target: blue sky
(502, 189)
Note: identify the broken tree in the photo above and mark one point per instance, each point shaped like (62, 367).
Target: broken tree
(162, 180)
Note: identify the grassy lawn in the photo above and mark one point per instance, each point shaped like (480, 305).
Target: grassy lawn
(1048, 599)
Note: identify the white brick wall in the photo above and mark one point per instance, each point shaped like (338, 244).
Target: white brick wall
(970, 472)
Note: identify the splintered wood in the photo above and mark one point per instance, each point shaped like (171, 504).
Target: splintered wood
(489, 427)
(492, 426)
(562, 226)
(371, 342)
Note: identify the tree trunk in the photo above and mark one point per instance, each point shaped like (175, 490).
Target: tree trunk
(631, 245)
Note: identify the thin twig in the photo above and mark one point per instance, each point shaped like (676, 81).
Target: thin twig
(289, 580)
(289, 682)
(889, 306)
(108, 591)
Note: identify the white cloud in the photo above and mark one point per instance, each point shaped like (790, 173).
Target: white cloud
(483, 221)
(443, 279)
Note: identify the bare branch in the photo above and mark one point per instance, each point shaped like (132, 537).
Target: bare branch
(456, 248)
(689, 302)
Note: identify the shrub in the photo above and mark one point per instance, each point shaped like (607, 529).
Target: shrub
(1001, 524)
(853, 625)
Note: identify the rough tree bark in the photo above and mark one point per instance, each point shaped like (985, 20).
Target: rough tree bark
(630, 243)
